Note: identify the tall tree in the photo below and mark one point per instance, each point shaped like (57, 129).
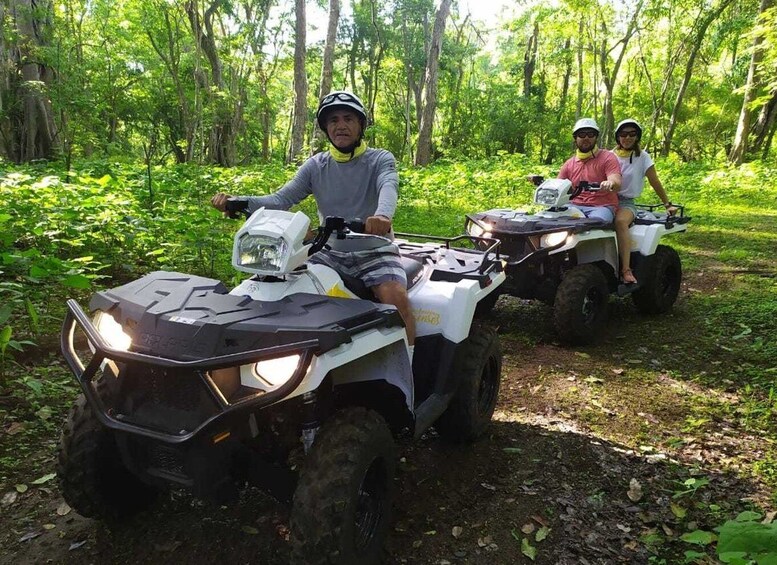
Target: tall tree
(610, 73)
(703, 22)
(752, 86)
(327, 65)
(300, 115)
(424, 153)
(28, 130)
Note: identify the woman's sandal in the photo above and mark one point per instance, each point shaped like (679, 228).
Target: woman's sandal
(627, 276)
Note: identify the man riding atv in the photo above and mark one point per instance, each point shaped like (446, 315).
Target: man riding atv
(594, 166)
(353, 181)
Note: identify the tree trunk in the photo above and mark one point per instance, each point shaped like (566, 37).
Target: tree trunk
(579, 106)
(300, 116)
(609, 76)
(767, 118)
(325, 85)
(704, 24)
(227, 112)
(530, 60)
(28, 130)
(752, 85)
(424, 153)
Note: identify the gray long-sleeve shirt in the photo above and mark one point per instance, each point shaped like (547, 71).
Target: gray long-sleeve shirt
(360, 188)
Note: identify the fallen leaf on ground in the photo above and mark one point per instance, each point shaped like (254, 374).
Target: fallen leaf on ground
(527, 528)
(63, 509)
(49, 526)
(14, 428)
(488, 486)
(582, 354)
(28, 536)
(9, 498)
(44, 479)
(540, 520)
(541, 534)
(168, 547)
(250, 530)
(528, 549)
(618, 371)
(456, 531)
(484, 541)
(21, 489)
(417, 544)
(635, 490)
(76, 545)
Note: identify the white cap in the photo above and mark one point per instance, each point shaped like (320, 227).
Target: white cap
(585, 123)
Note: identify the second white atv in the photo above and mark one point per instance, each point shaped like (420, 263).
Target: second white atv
(569, 261)
(290, 382)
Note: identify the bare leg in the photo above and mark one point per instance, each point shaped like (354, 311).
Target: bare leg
(395, 293)
(623, 220)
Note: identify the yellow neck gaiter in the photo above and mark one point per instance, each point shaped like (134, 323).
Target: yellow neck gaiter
(620, 152)
(341, 157)
(588, 155)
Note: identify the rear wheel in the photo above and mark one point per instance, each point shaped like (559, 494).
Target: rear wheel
(660, 284)
(92, 477)
(580, 307)
(341, 508)
(478, 365)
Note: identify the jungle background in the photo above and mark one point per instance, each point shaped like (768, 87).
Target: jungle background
(118, 121)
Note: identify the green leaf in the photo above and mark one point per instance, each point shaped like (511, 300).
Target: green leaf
(512, 450)
(5, 338)
(678, 510)
(528, 549)
(748, 516)
(32, 312)
(5, 313)
(77, 281)
(541, 534)
(752, 537)
(699, 537)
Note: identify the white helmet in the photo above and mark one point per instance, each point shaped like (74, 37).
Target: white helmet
(631, 122)
(340, 99)
(585, 123)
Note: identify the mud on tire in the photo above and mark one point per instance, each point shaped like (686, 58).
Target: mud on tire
(580, 308)
(341, 508)
(661, 283)
(478, 365)
(91, 475)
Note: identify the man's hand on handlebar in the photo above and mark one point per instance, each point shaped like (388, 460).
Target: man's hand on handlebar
(219, 202)
(377, 225)
(607, 186)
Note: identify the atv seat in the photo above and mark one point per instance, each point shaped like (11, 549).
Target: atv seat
(414, 270)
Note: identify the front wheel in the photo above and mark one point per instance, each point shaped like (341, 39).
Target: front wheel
(660, 284)
(341, 508)
(478, 365)
(92, 477)
(580, 307)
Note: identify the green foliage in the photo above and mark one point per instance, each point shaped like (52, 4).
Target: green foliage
(747, 540)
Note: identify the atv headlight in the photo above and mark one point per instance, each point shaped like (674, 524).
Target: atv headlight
(112, 332)
(277, 371)
(546, 196)
(553, 239)
(261, 252)
(476, 230)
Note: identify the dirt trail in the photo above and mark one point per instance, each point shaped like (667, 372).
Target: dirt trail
(552, 477)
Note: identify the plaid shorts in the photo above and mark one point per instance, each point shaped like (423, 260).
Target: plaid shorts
(373, 267)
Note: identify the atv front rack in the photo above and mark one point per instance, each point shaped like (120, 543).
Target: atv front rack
(224, 411)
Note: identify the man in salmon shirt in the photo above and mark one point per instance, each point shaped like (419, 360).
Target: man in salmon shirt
(593, 165)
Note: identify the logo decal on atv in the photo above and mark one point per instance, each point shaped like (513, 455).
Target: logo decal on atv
(183, 320)
(338, 292)
(427, 317)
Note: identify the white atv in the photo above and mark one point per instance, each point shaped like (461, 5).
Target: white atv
(569, 261)
(289, 382)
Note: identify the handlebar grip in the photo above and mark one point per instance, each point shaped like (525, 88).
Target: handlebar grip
(235, 206)
(356, 226)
